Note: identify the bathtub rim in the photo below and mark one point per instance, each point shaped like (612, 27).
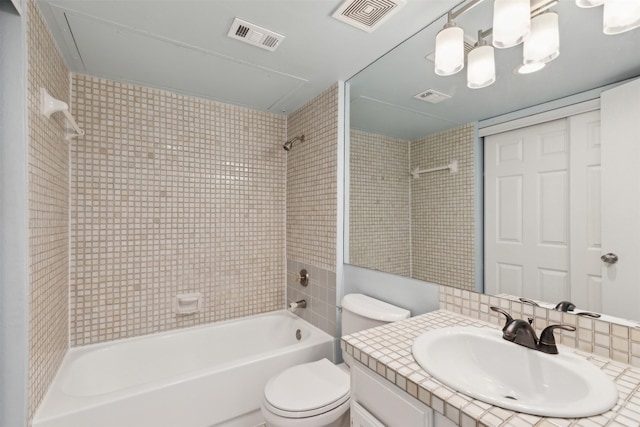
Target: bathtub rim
(51, 404)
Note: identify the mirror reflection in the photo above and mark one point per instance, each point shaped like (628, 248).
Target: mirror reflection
(411, 213)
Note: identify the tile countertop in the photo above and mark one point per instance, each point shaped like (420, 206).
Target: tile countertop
(386, 350)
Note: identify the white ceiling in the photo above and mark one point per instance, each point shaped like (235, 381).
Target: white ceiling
(181, 45)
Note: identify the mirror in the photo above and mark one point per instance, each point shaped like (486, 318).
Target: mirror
(427, 225)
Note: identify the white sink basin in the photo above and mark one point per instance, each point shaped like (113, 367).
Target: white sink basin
(480, 363)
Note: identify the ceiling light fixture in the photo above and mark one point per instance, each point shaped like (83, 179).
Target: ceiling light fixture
(449, 49)
(481, 65)
(529, 68)
(543, 43)
(511, 22)
(589, 3)
(620, 16)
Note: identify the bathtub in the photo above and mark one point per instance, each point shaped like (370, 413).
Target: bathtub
(205, 376)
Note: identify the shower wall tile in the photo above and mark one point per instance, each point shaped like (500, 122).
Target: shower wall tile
(312, 182)
(172, 194)
(442, 209)
(379, 203)
(312, 207)
(320, 295)
(48, 211)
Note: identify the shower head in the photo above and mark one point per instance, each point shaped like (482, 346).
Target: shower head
(287, 145)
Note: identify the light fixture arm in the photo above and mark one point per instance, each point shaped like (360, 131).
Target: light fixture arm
(467, 7)
(537, 7)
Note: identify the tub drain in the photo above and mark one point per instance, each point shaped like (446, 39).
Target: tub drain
(298, 335)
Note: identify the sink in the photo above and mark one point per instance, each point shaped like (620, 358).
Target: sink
(478, 362)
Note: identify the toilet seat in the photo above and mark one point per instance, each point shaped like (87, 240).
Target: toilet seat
(307, 390)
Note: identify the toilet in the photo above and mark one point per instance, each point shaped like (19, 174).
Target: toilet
(317, 394)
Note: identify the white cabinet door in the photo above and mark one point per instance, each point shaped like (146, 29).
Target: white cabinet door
(385, 403)
(360, 417)
(527, 212)
(620, 112)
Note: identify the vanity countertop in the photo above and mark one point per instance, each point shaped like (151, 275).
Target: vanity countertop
(386, 350)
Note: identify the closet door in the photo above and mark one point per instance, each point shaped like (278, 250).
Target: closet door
(621, 199)
(527, 212)
(586, 240)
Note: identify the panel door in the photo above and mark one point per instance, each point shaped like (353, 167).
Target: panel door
(586, 238)
(527, 212)
(620, 112)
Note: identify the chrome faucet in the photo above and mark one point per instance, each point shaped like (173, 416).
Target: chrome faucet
(522, 333)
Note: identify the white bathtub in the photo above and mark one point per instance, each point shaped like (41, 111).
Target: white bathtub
(198, 377)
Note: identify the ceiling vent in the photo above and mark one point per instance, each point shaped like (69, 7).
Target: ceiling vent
(367, 15)
(469, 43)
(254, 35)
(431, 96)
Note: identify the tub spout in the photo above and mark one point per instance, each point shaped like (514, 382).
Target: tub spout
(298, 304)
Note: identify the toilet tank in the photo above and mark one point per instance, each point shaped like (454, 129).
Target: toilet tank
(361, 312)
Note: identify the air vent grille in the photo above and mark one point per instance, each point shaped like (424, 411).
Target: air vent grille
(432, 96)
(367, 15)
(255, 35)
(242, 31)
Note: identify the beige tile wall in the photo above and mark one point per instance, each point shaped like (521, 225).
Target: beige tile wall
(172, 194)
(442, 209)
(312, 206)
(379, 203)
(48, 211)
(320, 295)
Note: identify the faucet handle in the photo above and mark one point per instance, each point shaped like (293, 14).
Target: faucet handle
(547, 342)
(589, 314)
(505, 313)
(565, 306)
(529, 301)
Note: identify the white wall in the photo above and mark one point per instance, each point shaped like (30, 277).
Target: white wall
(14, 276)
(415, 295)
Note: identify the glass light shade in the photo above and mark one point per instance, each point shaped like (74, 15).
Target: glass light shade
(529, 68)
(511, 22)
(481, 67)
(543, 43)
(449, 51)
(588, 3)
(621, 16)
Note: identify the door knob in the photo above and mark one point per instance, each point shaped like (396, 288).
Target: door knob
(609, 258)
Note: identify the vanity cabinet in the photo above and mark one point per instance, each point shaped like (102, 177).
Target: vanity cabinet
(375, 402)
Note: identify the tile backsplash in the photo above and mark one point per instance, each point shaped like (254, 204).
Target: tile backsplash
(614, 341)
(48, 211)
(172, 194)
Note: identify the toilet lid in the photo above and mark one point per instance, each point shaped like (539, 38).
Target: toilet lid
(308, 389)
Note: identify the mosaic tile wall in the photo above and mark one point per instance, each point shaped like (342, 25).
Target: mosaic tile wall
(312, 207)
(379, 203)
(172, 194)
(48, 211)
(442, 209)
(617, 342)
